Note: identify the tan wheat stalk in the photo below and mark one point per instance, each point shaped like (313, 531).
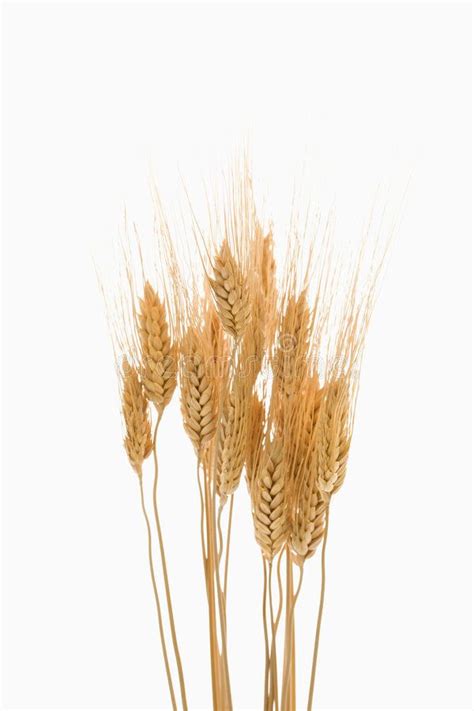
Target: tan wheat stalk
(158, 373)
(138, 445)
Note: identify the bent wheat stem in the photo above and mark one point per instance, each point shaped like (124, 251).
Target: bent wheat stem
(265, 633)
(288, 673)
(320, 613)
(227, 551)
(165, 570)
(157, 600)
(273, 657)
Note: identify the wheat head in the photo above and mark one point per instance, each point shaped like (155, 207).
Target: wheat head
(290, 360)
(198, 390)
(269, 502)
(255, 438)
(333, 436)
(232, 440)
(231, 293)
(137, 441)
(158, 369)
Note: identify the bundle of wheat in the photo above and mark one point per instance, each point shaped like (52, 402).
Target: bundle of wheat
(268, 376)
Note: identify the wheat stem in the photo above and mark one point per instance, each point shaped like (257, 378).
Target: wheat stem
(214, 650)
(265, 632)
(157, 600)
(273, 658)
(320, 613)
(165, 570)
(287, 690)
(227, 551)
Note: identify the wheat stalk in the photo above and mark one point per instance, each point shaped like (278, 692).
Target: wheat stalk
(138, 445)
(292, 432)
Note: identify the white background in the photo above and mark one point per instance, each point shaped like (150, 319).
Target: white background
(97, 96)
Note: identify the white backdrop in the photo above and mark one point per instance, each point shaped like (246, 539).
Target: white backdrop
(364, 97)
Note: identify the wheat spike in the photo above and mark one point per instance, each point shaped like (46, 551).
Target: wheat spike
(158, 370)
(137, 441)
(333, 437)
(270, 502)
(198, 390)
(255, 438)
(290, 360)
(231, 446)
(263, 302)
(307, 506)
(231, 293)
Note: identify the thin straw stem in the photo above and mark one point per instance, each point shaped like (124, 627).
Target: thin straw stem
(273, 659)
(227, 550)
(165, 570)
(286, 691)
(320, 613)
(207, 561)
(157, 600)
(265, 632)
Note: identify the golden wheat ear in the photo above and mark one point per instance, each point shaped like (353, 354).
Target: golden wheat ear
(198, 391)
(231, 293)
(269, 502)
(158, 354)
(232, 440)
(137, 442)
(333, 437)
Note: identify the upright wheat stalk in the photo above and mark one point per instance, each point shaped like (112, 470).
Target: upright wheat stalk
(158, 368)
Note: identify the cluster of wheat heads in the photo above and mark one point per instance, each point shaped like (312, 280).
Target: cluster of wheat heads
(267, 361)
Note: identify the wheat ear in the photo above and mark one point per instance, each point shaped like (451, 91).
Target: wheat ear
(231, 293)
(269, 502)
(232, 441)
(158, 370)
(137, 441)
(333, 437)
(198, 391)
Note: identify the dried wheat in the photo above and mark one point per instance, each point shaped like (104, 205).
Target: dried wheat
(137, 442)
(232, 441)
(158, 370)
(270, 503)
(198, 391)
(231, 293)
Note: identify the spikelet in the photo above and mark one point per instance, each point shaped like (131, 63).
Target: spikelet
(137, 442)
(231, 293)
(269, 502)
(333, 436)
(158, 369)
(231, 446)
(198, 389)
